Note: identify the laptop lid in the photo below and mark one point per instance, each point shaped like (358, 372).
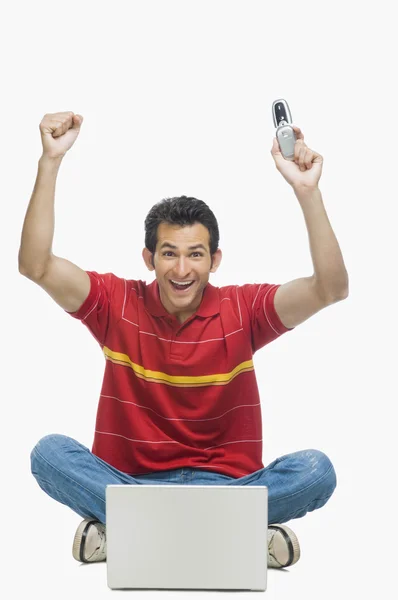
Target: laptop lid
(187, 537)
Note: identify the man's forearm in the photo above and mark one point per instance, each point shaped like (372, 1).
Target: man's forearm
(38, 228)
(329, 269)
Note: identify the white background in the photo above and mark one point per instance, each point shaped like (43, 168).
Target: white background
(176, 98)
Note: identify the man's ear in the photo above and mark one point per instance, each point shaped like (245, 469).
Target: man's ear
(148, 259)
(217, 256)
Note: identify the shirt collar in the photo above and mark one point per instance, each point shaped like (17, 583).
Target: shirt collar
(209, 306)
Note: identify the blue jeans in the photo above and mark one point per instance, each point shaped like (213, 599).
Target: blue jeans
(68, 472)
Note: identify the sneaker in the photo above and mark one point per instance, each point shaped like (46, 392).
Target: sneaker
(283, 546)
(89, 544)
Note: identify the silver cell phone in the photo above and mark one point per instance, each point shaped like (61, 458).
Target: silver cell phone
(284, 131)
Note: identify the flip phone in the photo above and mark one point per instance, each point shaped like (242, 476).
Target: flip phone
(284, 131)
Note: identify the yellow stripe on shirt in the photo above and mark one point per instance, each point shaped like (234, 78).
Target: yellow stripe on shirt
(177, 380)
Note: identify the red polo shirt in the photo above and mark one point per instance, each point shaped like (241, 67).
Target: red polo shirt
(179, 395)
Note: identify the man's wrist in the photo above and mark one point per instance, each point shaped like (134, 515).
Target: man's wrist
(305, 191)
(49, 162)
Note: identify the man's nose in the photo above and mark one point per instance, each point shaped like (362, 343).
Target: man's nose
(182, 265)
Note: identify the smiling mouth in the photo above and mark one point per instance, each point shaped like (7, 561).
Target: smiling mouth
(181, 288)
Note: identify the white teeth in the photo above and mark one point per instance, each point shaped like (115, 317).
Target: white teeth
(182, 282)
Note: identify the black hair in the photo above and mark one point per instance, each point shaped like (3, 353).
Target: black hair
(180, 210)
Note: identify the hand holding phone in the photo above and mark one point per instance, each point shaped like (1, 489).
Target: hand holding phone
(284, 131)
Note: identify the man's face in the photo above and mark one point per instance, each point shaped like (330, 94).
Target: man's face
(182, 254)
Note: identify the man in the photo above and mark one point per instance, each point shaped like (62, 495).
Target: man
(179, 400)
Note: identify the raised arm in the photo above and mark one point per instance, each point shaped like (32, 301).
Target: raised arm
(66, 283)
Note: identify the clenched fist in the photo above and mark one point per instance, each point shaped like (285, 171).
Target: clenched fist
(59, 132)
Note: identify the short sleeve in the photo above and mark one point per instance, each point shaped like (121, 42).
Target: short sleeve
(262, 318)
(103, 307)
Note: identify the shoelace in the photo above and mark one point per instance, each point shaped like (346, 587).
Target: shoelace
(271, 557)
(102, 539)
(101, 549)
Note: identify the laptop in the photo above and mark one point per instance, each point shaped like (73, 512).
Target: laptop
(187, 537)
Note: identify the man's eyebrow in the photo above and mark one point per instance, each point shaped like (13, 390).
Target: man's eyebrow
(168, 245)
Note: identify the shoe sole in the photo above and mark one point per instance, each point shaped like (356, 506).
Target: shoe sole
(79, 541)
(292, 542)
